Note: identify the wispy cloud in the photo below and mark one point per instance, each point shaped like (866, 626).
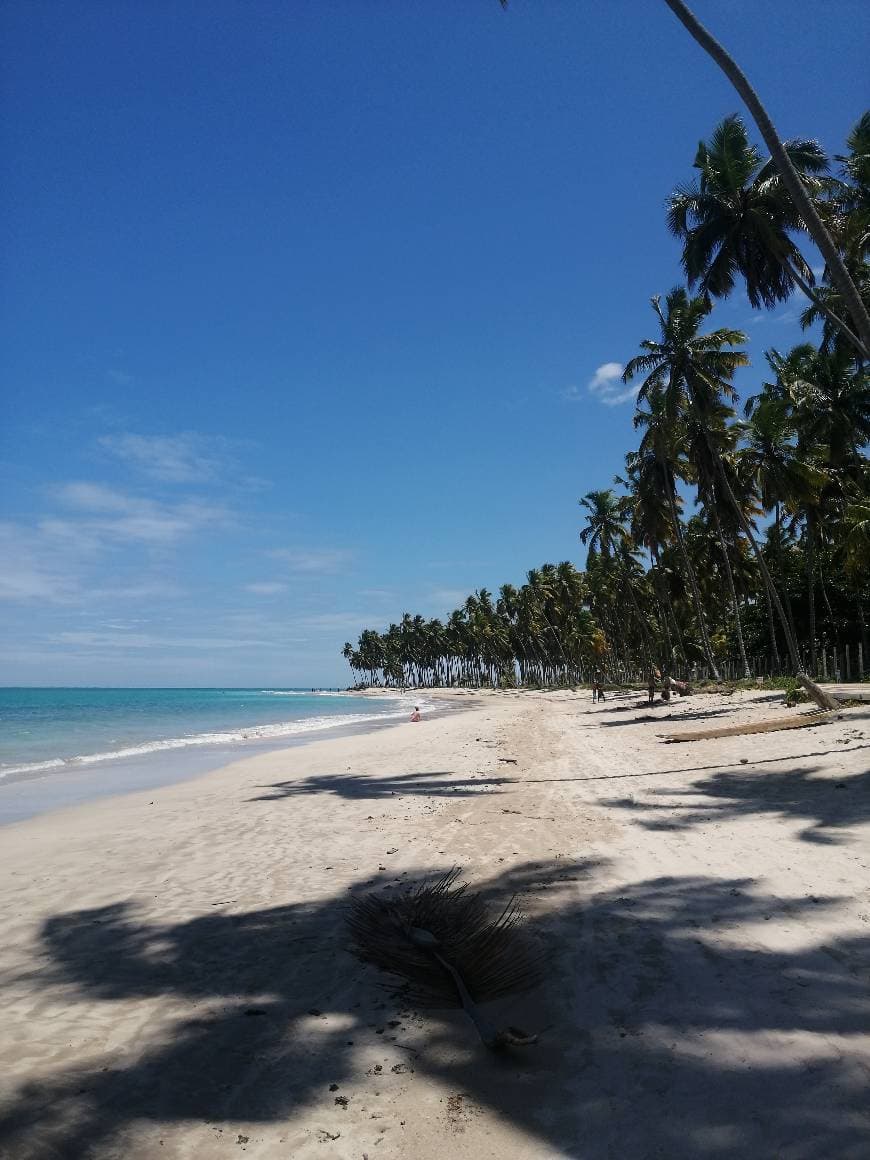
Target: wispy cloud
(266, 588)
(119, 378)
(300, 560)
(338, 621)
(448, 598)
(789, 315)
(607, 387)
(184, 458)
(142, 640)
(110, 514)
(61, 558)
(28, 572)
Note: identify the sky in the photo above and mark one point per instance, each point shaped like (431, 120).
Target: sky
(312, 314)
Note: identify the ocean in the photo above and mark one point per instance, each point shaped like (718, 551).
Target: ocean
(61, 746)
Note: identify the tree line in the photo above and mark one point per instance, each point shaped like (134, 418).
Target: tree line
(729, 531)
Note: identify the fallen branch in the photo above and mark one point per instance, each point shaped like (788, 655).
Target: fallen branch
(805, 721)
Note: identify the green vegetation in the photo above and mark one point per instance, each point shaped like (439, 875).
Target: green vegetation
(735, 537)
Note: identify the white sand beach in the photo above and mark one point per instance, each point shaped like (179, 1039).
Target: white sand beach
(176, 980)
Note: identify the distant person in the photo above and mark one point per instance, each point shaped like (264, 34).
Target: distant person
(598, 686)
(416, 715)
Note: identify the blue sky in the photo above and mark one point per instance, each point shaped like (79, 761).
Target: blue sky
(311, 312)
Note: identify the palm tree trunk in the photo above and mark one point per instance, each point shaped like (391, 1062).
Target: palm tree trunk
(771, 627)
(803, 203)
(693, 583)
(811, 589)
(668, 659)
(681, 644)
(833, 318)
(822, 699)
(733, 591)
(644, 631)
(781, 569)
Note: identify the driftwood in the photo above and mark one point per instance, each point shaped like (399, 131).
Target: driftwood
(804, 721)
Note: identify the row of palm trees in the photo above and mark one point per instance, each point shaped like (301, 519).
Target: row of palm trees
(729, 529)
(538, 634)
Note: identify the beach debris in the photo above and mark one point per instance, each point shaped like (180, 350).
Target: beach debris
(804, 721)
(452, 952)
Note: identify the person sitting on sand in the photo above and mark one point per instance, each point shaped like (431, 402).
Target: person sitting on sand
(415, 716)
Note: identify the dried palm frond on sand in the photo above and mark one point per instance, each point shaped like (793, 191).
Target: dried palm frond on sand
(453, 952)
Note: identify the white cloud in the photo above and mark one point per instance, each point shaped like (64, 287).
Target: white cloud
(607, 386)
(266, 588)
(142, 640)
(344, 621)
(185, 458)
(27, 571)
(328, 560)
(119, 378)
(116, 515)
(448, 598)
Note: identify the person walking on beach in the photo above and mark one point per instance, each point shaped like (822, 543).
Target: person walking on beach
(597, 686)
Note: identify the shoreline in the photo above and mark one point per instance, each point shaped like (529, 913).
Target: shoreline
(76, 782)
(177, 980)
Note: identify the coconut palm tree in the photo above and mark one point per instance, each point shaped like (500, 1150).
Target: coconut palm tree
(791, 178)
(605, 532)
(699, 369)
(738, 218)
(664, 439)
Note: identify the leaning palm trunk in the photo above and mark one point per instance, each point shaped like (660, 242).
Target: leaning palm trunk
(729, 574)
(837, 271)
(822, 306)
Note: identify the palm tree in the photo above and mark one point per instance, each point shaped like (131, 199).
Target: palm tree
(783, 478)
(714, 506)
(663, 438)
(606, 533)
(790, 176)
(737, 219)
(698, 369)
(847, 213)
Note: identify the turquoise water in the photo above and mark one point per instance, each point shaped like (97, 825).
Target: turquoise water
(47, 731)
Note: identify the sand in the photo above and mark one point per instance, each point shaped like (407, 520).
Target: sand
(176, 981)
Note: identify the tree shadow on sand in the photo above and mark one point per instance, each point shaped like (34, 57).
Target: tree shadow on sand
(355, 786)
(668, 1030)
(829, 805)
